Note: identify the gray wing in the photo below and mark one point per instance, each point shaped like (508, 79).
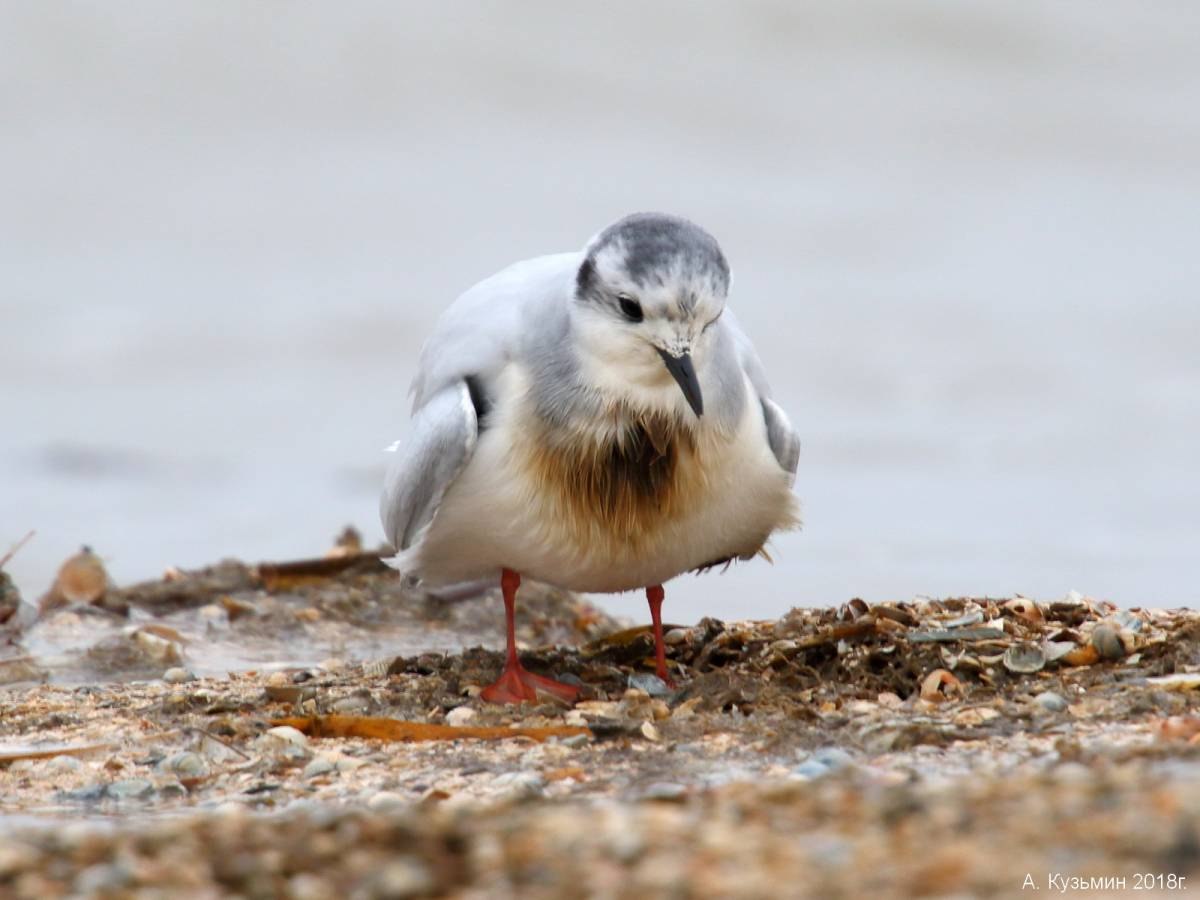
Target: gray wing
(784, 441)
(472, 341)
(484, 327)
(443, 437)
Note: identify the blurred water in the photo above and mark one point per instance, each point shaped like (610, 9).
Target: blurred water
(963, 238)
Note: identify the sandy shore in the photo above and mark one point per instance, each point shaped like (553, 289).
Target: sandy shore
(956, 747)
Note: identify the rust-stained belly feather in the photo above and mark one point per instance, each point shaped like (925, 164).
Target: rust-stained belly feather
(617, 490)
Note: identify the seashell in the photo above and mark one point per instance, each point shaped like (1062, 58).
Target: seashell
(1026, 609)
(974, 617)
(1107, 642)
(853, 610)
(376, 668)
(939, 685)
(1082, 656)
(1128, 621)
(1024, 657)
(1056, 650)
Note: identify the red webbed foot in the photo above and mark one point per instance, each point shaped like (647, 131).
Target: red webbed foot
(519, 685)
(516, 684)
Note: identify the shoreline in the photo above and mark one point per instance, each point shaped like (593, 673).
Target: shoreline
(950, 746)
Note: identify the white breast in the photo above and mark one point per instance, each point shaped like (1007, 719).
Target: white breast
(497, 515)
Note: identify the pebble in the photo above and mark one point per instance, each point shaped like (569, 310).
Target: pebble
(216, 750)
(519, 785)
(186, 764)
(664, 790)
(1050, 701)
(282, 741)
(178, 675)
(319, 766)
(351, 705)
(210, 612)
(172, 790)
(1107, 642)
(93, 793)
(383, 800)
(130, 789)
(576, 740)
(64, 764)
(650, 683)
(823, 761)
(406, 877)
(976, 715)
(289, 735)
(307, 886)
(460, 715)
(349, 764)
(157, 648)
(675, 636)
(102, 878)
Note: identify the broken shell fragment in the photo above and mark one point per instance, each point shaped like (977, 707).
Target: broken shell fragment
(1025, 658)
(1056, 650)
(1024, 608)
(980, 633)
(974, 617)
(1082, 656)
(1179, 681)
(893, 614)
(1127, 620)
(939, 685)
(852, 610)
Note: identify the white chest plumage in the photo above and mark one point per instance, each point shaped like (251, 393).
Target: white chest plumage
(620, 505)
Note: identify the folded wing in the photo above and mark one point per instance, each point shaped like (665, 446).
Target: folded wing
(442, 438)
(782, 437)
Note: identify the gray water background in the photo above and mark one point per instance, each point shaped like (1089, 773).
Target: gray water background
(964, 238)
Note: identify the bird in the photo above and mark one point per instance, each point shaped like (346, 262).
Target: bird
(594, 420)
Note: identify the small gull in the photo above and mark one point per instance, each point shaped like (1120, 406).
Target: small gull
(594, 420)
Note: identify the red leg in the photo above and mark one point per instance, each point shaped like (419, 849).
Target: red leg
(655, 594)
(515, 684)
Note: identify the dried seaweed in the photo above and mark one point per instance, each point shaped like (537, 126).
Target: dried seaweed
(398, 730)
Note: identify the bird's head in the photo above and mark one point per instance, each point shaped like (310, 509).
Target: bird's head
(647, 294)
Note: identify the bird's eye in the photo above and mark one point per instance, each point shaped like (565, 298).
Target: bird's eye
(631, 308)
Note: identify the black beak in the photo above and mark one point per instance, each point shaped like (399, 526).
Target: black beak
(684, 373)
